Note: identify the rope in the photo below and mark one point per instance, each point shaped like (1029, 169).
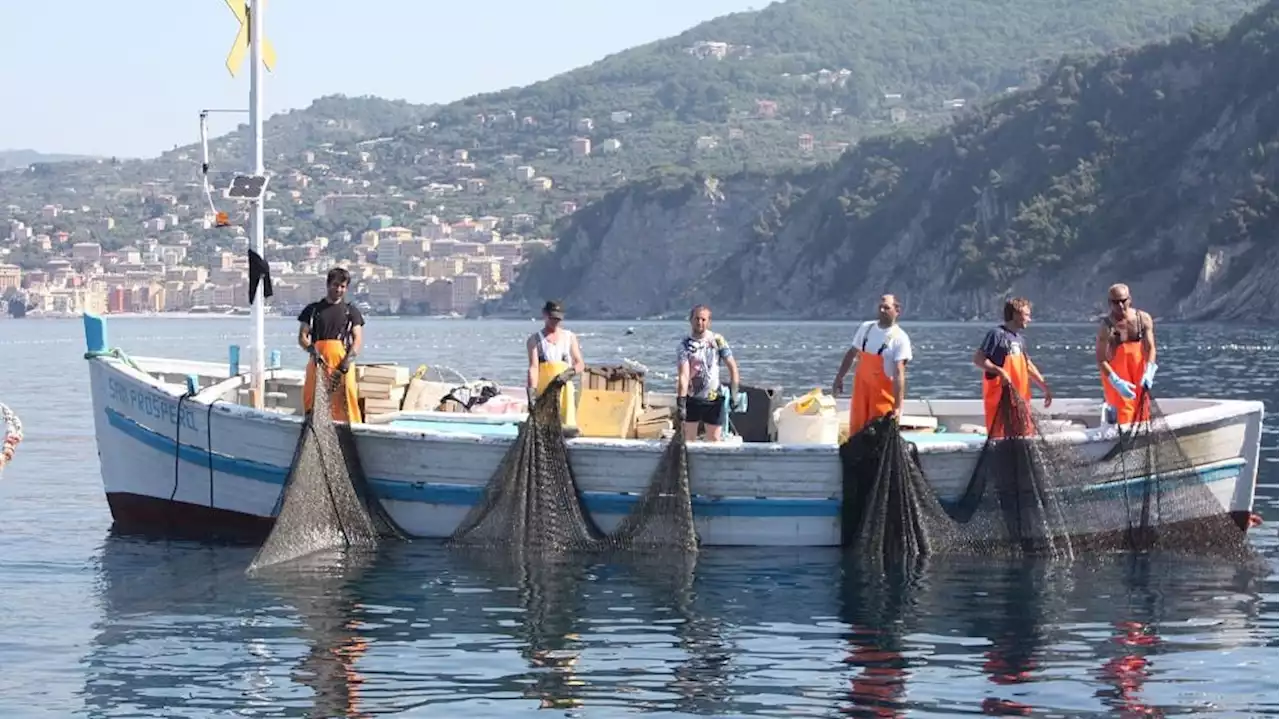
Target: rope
(12, 436)
(115, 353)
(119, 354)
(177, 446)
(208, 444)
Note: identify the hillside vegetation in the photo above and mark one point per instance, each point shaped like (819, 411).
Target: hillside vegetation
(789, 86)
(1155, 166)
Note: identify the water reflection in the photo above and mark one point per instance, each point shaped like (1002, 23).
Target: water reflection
(745, 632)
(878, 602)
(323, 590)
(1028, 608)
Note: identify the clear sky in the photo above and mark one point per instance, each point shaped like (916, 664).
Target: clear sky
(129, 78)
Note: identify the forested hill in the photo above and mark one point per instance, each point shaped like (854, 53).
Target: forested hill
(925, 51)
(1154, 166)
(790, 86)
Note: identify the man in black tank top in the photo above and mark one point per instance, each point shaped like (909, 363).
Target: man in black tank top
(1126, 356)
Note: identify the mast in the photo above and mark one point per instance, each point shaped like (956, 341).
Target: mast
(253, 11)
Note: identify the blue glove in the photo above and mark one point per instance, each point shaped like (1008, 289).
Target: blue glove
(1149, 376)
(1125, 388)
(738, 402)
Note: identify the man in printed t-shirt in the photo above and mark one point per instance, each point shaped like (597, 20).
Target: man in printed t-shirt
(699, 394)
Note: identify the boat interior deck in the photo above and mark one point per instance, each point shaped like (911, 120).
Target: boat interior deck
(943, 420)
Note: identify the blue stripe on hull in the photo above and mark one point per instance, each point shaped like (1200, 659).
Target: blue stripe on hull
(596, 502)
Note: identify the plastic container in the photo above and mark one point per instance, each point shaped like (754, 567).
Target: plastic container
(811, 419)
(548, 371)
(756, 424)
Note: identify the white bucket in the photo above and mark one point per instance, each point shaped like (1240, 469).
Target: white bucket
(795, 428)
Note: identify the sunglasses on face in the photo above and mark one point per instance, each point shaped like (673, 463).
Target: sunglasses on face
(1119, 300)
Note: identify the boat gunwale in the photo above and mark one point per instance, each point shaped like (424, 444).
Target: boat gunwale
(1219, 411)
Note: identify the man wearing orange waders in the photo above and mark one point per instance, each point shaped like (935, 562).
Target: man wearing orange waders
(880, 352)
(332, 332)
(1126, 355)
(1002, 357)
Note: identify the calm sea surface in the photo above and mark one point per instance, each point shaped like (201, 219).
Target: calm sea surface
(98, 626)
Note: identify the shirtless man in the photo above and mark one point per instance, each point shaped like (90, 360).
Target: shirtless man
(1125, 350)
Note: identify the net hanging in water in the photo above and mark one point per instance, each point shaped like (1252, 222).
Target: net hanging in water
(1032, 495)
(531, 503)
(327, 502)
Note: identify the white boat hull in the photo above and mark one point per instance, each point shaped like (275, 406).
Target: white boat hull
(209, 466)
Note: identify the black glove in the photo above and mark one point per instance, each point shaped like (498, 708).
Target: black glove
(345, 365)
(682, 408)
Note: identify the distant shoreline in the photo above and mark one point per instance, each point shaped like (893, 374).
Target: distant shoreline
(504, 317)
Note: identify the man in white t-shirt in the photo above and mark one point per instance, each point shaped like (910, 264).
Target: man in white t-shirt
(881, 350)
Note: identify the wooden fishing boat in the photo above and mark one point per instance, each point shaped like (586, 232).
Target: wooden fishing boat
(181, 451)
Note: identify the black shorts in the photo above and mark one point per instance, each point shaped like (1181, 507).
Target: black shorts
(707, 411)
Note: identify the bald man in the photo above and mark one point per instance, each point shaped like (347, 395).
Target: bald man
(1126, 354)
(881, 350)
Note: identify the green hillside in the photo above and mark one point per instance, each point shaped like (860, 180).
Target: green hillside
(1154, 165)
(792, 85)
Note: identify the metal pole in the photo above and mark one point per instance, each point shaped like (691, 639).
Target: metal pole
(255, 121)
(204, 155)
(204, 158)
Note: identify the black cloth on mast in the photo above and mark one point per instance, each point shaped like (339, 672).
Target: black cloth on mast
(259, 271)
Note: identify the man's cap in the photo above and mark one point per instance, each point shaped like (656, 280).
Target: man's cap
(553, 309)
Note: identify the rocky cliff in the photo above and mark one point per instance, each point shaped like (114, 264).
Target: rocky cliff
(1155, 167)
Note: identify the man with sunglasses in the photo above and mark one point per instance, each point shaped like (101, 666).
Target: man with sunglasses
(1126, 354)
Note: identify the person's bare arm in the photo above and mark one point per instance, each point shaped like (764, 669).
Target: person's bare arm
(899, 387)
(532, 347)
(357, 341)
(1149, 337)
(1100, 347)
(682, 378)
(850, 359)
(304, 336)
(982, 362)
(734, 377)
(575, 354)
(1038, 378)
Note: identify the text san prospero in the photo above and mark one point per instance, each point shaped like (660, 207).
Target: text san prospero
(151, 404)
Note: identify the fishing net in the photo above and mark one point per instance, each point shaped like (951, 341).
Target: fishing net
(1155, 496)
(532, 501)
(1029, 494)
(327, 502)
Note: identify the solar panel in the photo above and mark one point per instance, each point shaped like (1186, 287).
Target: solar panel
(247, 187)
